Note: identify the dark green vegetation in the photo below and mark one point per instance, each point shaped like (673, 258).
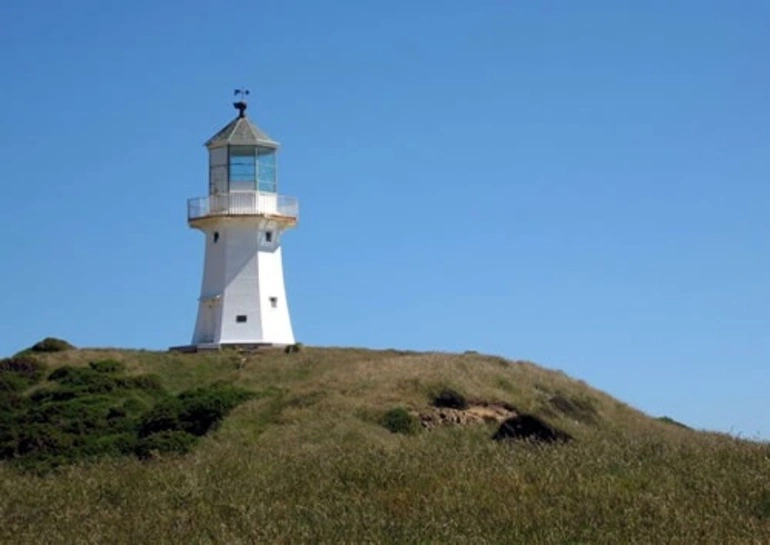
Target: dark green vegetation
(311, 456)
(449, 398)
(399, 420)
(669, 420)
(50, 344)
(97, 411)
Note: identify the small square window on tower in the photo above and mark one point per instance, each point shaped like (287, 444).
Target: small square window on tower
(268, 236)
(274, 302)
(241, 318)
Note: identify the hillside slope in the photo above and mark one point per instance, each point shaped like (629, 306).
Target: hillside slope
(309, 459)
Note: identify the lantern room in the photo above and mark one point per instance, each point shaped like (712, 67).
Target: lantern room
(242, 158)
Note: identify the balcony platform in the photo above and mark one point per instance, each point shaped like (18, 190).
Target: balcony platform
(244, 204)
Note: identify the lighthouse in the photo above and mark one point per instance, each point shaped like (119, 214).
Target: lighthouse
(243, 219)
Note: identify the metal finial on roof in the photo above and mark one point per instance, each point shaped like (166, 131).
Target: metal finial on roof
(241, 131)
(241, 104)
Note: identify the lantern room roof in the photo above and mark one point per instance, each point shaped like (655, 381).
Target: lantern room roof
(241, 132)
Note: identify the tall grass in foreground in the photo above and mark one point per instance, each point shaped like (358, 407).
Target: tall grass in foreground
(443, 487)
(310, 463)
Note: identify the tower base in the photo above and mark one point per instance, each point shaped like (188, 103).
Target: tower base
(241, 347)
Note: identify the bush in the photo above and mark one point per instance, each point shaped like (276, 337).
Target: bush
(11, 401)
(527, 427)
(83, 378)
(399, 420)
(162, 417)
(450, 399)
(46, 395)
(580, 409)
(42, 439)
(112, 445)
(107, 366)
(51, 344)
(203, 408)
(25, 368)
(762, 506)
(142, 382)
(78, 416)
(194, 411)
(135, 406)
(170, 441)
(293, 348)
(12, 383)
(669, 420)
(88, 412)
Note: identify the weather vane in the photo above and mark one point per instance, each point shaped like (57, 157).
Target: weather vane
(241, 104)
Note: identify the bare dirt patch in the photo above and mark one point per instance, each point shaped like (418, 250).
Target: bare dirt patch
(473, 414)
(512, 425)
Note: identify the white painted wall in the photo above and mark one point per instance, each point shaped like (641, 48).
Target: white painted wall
(242, 271)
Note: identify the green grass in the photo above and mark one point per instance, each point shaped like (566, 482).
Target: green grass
(308, 460)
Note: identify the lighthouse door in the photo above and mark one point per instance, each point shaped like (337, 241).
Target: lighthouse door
(208, 321)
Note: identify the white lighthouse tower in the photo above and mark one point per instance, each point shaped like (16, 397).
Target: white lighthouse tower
(243, 298)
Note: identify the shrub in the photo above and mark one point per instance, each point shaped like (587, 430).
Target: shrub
(194, 411)
(42, 439)
(762, 506)
(293, 348)
(142, 382)
(580, 409)
(12, 383)
(529, 428)
(112, 445)
(25, 368)
(53, 394)
(135, 406)
(88, 413)
(51, 344)
(203, 408)
(116, 412)
(450, 399)
(669, 420)
(170, 441)
(399, 420)
(78, 416)
(10, 401)
(162, 417)
(107, 366)
(83, 378)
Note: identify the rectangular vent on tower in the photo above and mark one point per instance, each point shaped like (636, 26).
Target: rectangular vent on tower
(274, 302)
(241, 318)
(268, 236)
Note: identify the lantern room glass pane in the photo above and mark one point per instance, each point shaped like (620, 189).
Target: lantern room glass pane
(266, 175)
(243, 168)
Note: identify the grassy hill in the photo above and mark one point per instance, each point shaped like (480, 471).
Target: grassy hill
(334, 445)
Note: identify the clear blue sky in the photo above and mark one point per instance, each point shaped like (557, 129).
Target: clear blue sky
(581, 184)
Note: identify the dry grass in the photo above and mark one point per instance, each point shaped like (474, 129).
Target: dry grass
(310, 463)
